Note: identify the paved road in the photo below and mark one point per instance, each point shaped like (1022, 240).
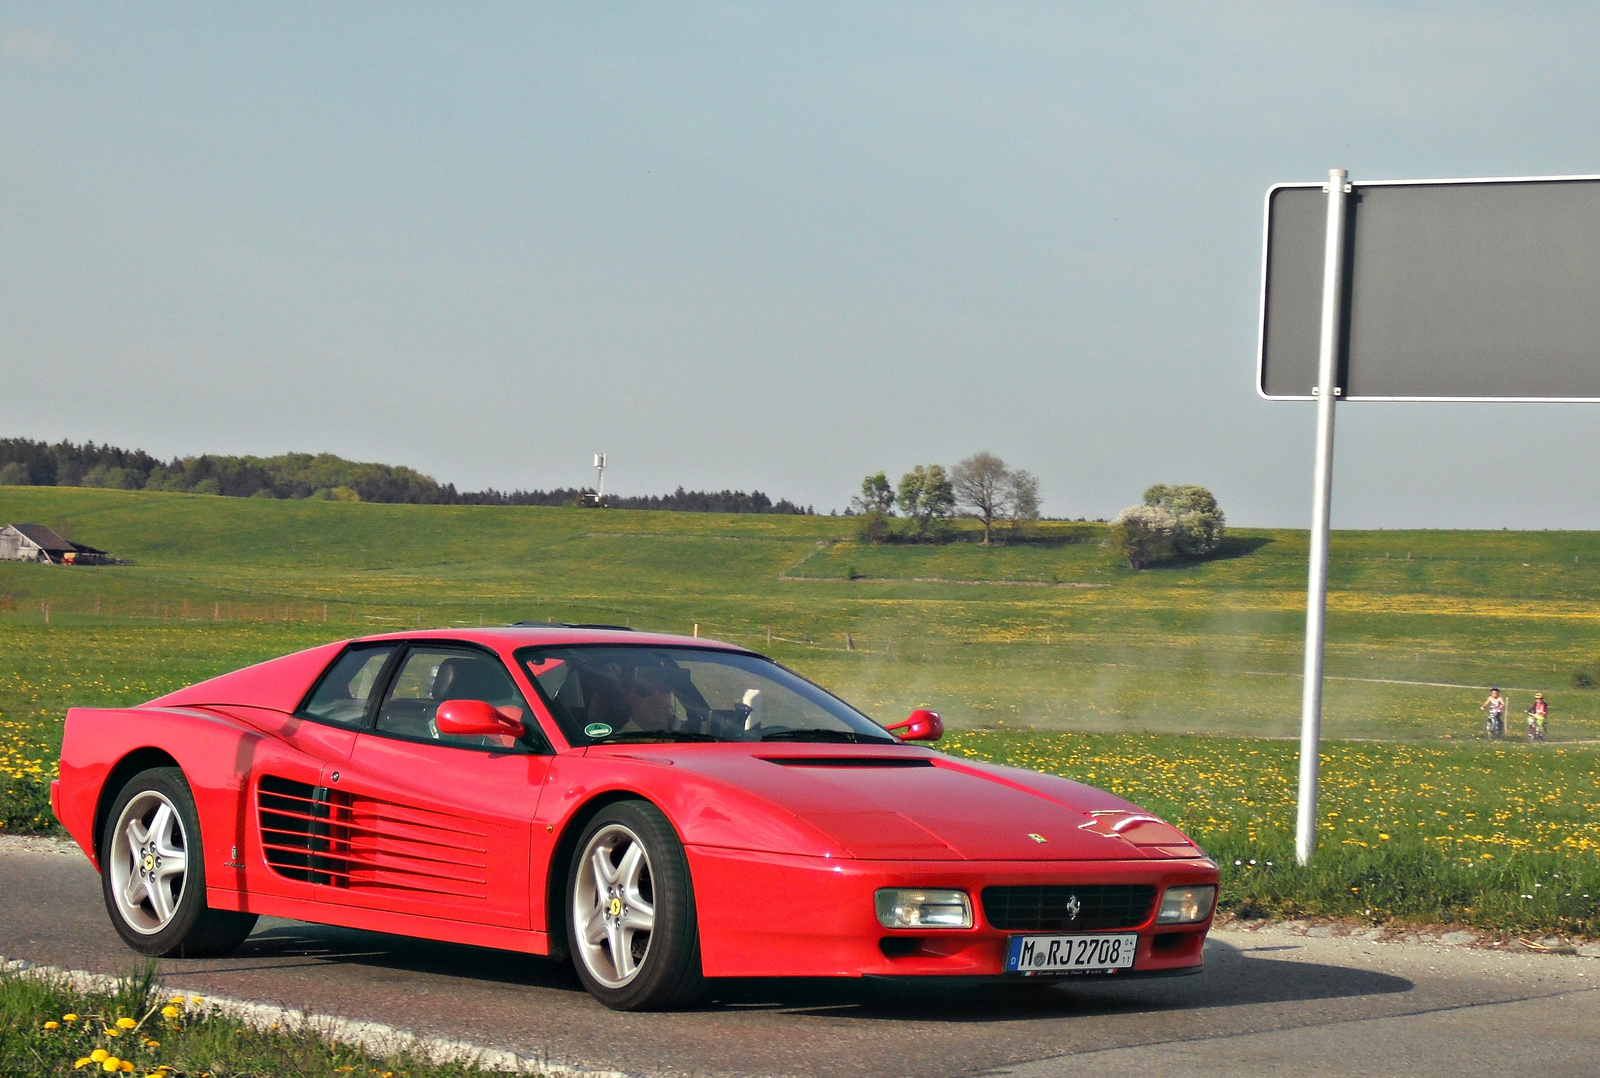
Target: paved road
(1270, 1002)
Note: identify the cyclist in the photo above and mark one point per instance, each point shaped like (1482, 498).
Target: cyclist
(1495, 724)
(1537, 714)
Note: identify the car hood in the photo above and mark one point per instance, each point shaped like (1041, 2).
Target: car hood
(905, 803)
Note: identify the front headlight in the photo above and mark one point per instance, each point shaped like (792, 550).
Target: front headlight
(1186, 905)
(903, 907)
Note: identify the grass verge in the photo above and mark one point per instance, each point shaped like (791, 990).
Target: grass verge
(1505, 838)
(50, 1027)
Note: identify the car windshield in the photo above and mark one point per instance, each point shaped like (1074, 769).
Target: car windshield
(619, 694)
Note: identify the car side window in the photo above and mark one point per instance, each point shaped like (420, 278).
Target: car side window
(344, 692)
(429, 676)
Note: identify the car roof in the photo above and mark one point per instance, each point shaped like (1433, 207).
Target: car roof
(515, 636)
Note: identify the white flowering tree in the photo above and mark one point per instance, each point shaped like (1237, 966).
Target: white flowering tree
(1144, 534)
(1199, 518)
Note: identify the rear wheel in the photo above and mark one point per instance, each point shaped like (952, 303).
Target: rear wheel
(153, 874)
(635, 938)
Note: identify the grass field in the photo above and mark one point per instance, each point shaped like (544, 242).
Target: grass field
(1049, 638)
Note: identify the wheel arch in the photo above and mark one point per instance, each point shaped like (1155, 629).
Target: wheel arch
(561, 861)
(142, 759)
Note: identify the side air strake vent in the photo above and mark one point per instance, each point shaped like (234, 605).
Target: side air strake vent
(296, 835)
(317, 835)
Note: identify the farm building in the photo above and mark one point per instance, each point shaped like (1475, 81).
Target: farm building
(35, 542)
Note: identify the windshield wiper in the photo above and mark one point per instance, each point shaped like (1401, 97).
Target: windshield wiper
(657, 735)
(847, 736)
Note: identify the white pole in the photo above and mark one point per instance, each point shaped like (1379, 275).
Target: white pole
(1305, 840)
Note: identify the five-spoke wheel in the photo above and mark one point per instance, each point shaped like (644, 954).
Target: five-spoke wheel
(153, 873)
(149, 861)
(633, 933)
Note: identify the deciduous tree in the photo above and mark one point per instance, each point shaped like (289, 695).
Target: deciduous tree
(1022, 499)
(982, 485)
(876, 496)
(925, 495)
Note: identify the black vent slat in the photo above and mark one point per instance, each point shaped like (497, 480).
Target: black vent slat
(848, 761)
(1100, 907)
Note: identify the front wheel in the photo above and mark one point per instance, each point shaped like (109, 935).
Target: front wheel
(153, 873)
(635, 939)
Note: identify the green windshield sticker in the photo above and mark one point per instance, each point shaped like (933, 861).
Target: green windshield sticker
(597, 729)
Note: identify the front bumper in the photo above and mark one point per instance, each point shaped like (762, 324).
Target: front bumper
(779, 915)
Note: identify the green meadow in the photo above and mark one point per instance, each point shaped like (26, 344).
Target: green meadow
(1039, 648)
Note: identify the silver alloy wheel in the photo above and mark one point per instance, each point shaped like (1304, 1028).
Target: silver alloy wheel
(149, 862)
(613, 906)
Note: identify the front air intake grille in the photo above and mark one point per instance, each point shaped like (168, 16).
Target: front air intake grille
(1098, 907)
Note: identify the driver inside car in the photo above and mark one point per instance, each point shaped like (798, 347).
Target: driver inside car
(651, 704)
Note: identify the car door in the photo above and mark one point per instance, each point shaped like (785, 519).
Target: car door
(288, 805)
(440, 825)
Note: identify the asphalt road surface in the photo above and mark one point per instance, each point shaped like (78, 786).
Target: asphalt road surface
(1270, 1002)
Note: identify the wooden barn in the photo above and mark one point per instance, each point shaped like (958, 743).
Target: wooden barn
(35, 542)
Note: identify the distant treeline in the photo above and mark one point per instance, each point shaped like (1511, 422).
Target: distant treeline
(323, 476)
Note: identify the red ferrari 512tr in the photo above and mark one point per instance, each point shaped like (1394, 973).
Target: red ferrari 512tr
(660, 809)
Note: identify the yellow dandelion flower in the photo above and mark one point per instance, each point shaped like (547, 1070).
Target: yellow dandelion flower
(69, 1018)
(113, 1032)
(152, 1044)
(52, 1025)
(127, 1065)
(82, 1063)
(99, 1055)
(111, 1064)
(169, 1011)
(126, 1023)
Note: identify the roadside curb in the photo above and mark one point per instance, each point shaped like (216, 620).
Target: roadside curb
(1417, 935)
(373, 1037)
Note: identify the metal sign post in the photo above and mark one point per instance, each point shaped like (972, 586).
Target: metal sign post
(1419, 290)
(1321, 500)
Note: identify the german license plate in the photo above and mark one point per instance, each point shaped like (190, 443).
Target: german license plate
(1071, 954)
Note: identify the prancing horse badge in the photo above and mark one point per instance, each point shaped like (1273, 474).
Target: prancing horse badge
(1037, 838)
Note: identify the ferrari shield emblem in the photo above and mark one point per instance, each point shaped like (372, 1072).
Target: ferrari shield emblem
(1037, 838)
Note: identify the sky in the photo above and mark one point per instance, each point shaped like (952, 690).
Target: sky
(774, 246)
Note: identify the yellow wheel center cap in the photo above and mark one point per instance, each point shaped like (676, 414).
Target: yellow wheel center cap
(616, 907)
(149, 863)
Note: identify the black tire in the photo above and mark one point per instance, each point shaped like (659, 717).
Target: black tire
(163, 914)
(661, 971)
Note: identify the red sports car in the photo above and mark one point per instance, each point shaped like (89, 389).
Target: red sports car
(661, 809)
